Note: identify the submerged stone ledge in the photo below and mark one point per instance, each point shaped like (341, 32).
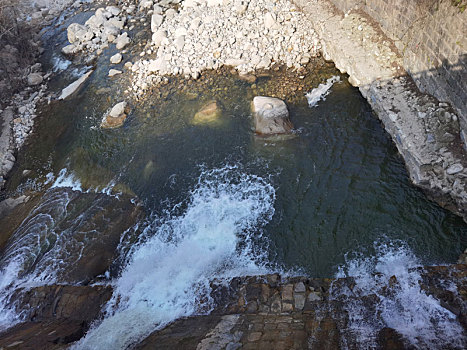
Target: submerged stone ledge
(426, 132)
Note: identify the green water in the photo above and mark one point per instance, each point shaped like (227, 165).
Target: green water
(340, 183)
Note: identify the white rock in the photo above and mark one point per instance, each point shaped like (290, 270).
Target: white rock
(116, 59)
(212, 3)
(114, 72)
(270, 21)
(454, 169)
(75, 32)
(146, 4)
(69, 49)
(158, 65)
(180, 43)
(95, 21)
(118, 109)
(156, 21)
(158, 36)
(157, 9)
(70, 89)
(116, 22)
(180, 31)
(114, 10)
(110, 30)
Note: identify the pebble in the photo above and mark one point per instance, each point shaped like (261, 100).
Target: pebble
(116, 59)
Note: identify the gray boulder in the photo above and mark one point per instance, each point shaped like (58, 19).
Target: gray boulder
(35, 79)
(271, 116)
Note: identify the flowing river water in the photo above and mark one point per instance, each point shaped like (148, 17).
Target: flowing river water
(216, 200)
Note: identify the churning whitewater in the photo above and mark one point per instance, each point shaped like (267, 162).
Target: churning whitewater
(167, 274)
(417, 316)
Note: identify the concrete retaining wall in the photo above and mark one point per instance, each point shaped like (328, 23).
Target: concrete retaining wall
(431, 36)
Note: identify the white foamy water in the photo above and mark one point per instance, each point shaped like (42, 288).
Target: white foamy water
(168, 273)
(59, 63)
(67, 180)
(29, 260)
(417, 316)
(320, 93)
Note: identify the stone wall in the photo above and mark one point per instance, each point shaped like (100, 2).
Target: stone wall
(431, 36)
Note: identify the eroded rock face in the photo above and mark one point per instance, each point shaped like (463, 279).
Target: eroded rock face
(55, 316)
(208, 114)
(116, 117)
(271, 116)
(80, 236)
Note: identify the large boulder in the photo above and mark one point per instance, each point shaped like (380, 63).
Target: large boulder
(271, 116)
(116, 117)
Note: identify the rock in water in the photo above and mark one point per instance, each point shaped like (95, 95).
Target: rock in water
(116, 117)
(70, 89)
(208, 114)
(114, 72)
(116, 59)
(76, 32)
(271, 116)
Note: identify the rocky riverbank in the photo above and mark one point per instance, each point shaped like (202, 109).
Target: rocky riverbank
(23, 83)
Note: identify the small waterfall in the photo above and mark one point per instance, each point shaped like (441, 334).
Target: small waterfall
(30, 258)
(167, 274)
(401, 304)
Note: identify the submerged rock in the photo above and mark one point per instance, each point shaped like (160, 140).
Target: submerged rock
(116, 117)
(208, 114)
(271, 116)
